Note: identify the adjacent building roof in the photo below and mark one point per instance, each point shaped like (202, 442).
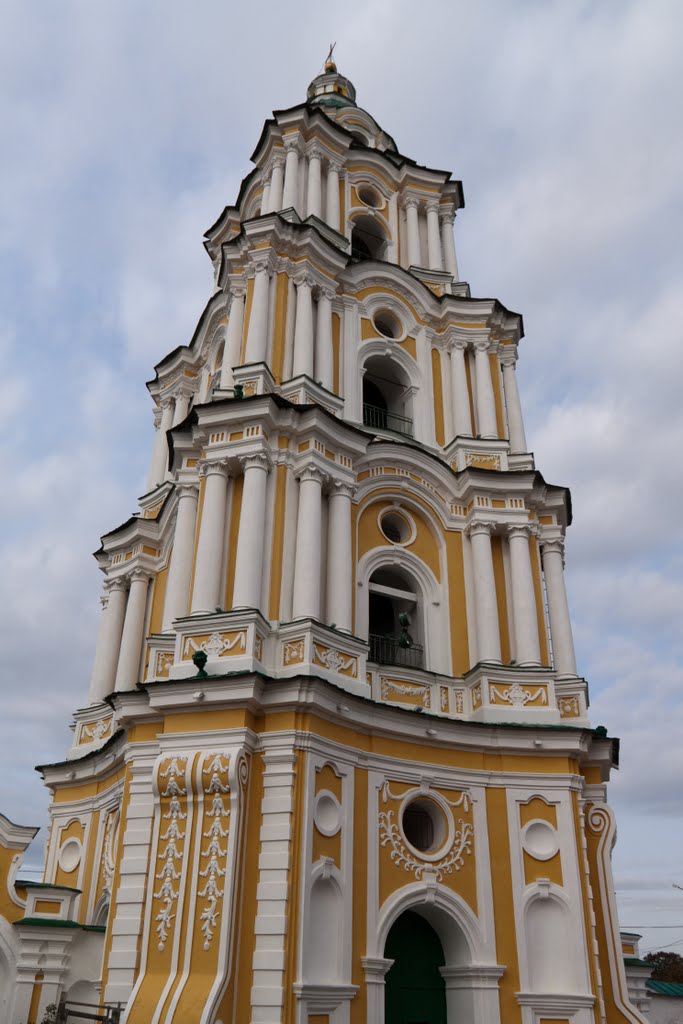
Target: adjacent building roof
(665, 988)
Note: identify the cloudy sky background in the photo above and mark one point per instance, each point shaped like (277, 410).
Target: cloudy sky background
(126, 127)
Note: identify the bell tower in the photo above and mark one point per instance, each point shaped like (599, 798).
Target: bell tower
(336, 766)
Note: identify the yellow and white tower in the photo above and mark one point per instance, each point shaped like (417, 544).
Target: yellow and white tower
(336, 765)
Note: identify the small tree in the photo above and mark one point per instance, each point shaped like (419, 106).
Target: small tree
(666, 966)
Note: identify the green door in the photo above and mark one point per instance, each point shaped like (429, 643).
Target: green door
(415, 992)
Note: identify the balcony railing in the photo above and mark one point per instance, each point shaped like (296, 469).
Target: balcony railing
(71, 1013)
(386, 650)
(382, 419)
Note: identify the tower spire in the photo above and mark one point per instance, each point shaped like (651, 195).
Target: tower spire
(330, 89)
(329, 62)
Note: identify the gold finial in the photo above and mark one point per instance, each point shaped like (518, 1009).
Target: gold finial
(329, 63)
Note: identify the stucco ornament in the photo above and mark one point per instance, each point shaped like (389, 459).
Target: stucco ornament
(452, 858)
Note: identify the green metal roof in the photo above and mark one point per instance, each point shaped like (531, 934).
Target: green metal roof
(634, 961)
(666, 988)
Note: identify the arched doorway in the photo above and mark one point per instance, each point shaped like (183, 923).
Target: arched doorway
(387, 403)
(395, 629)
(368, 241)
(414, 992)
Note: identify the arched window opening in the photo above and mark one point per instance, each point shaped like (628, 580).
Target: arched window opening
(415, 990)
(394, 619)
(386, 397)
(368, 241)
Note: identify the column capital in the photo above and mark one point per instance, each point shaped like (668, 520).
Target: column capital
(238, 290)
(482, 344)
(341, 489)
(157, 413)
(258, 264)
(336, 166)
(328, 292)
(278, 159)
(292, 143)
(479, 527)
(311, 472)
(457, 343)
(140, 574)
(433, 206)
(410, 202)
(256, 460)
(525, 530)
(214, 467)
(314, 152)
(552, 546)
(118, 583)
(184, 389)
(165, 402)
(447, 214)
(509, 355)
(187, 490)
(303, 278)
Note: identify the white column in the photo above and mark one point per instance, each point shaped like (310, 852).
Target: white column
(446, 394)
(413, 233)
(180, 569)
(159, 461)
(206, 593)
(485, 600)
(128, 671)
(290, 194)
(324, 351)
(552, 550)
(182, 405)
(339, 557)
(303, 328)
(257, 331)
(448, 243)
(314, 206)
(233, 337)
(486, 403)
(108, 639)
(462, 415)
(265, 198)
(332, 210)
(433, 236)
(276, 183)
(250, 536)
(527, 645)
(512, 402)
(306, 597)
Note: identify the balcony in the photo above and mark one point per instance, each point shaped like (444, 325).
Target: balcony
(386, 650)
(382, 419)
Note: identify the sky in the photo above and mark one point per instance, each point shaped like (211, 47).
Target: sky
(126, 128)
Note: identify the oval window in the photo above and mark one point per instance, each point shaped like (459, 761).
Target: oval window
(396, 527)
(369, 196)
(424, 825)
(387, 324)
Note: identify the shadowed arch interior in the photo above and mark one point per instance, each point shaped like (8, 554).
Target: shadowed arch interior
(415, 992)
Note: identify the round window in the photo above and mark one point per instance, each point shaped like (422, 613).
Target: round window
(424, 825)
(369, 196)
(387, 324)
(70, 855)
(396, 527)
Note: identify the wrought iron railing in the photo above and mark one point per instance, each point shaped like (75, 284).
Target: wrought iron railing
(70, 1012)
(382, 419)
(386, 650)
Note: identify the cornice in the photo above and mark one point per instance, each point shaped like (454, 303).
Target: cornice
(15, 837)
